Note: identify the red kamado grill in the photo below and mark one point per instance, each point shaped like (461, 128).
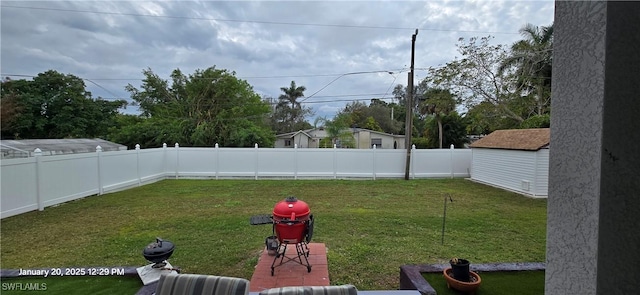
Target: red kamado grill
(292, 225)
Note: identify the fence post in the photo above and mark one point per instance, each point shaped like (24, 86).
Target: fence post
(138, 164)
(38, 154)
(451, 149)
(257, 161)
(217, 159)
(295, 161)
(164, 160)
(413, 166)
(374, 162)
(335, 161)
(177, 146)
(99, 152)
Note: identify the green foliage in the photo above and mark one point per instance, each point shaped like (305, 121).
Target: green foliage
(371, 124)
(439, 103)
(540, 121)
(207, 107)
(531, 59)
(486, 117)
(501, 86)
(375, 116)
(326, 143)
(54, 105)
(421, 142)
(338, 132)
(454, 131)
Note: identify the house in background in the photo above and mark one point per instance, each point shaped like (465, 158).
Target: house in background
(516, 160)
(364, 139)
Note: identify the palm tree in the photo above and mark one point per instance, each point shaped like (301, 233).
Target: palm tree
(288, 103)
(532, 57)
(439, 103)
(292, 94)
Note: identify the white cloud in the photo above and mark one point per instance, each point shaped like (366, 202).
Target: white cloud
(270, 42)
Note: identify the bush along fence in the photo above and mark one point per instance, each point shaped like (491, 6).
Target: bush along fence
(37, 182)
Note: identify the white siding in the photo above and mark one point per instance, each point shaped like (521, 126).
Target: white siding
(542, 173)
(520, 171)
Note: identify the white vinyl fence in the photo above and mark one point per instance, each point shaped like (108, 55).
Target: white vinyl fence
(34, 183)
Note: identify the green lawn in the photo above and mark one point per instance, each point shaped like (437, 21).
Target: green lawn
(109, 285)
(369, 227)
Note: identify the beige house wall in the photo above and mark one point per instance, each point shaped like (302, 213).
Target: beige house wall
(363, 139)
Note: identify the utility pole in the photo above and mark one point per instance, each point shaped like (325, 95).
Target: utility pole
(408, 125)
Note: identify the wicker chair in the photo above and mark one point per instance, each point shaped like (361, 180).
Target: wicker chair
(313, 290)
(192, 284)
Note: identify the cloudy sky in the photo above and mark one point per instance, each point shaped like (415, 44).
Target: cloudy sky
(340, 51)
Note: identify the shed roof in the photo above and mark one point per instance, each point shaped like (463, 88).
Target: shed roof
(515, 139)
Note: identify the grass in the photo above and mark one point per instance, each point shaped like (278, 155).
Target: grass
(369, 227)
(72, 285)
(496, 283)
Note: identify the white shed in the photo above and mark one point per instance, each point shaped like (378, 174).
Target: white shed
(516, 160)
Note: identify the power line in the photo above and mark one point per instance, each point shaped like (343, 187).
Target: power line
(312, 95)
(251, 21)
(346, 74)
(239, 77)
(84, 79)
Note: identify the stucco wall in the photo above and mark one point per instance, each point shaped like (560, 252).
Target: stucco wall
(594, 162)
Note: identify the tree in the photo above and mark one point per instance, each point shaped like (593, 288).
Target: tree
(375, 116)
(532, 59)
(54, 105)
(439, 103)
(289, 114)
(338, 132)
(207, 107)
(477, 78)
(454, 128)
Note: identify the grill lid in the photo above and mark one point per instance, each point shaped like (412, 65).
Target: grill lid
(159, 247)
(291, 208)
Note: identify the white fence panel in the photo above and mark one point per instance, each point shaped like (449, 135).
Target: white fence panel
(279, 162)
(431, 163)
(33, 183)
(18, 186)
(312, 163)
(461, 163)
(237, 162)
(68, 177)
(354, 163)
(118, 170)
(171, 161)
(152, 165)
(197, 162)
(390, 163)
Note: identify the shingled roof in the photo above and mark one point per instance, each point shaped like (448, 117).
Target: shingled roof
(515, 139)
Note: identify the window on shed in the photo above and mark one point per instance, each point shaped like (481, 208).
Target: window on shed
(287, 142)
(377, 142)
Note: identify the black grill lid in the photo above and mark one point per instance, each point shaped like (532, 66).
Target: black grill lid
(158, 247)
